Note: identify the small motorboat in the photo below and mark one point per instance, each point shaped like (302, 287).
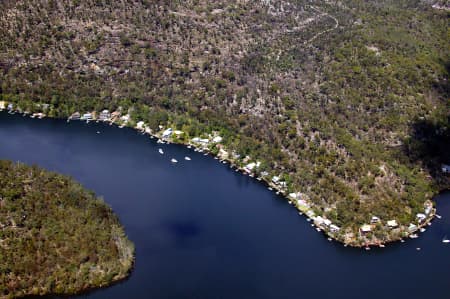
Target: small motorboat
(161, 151)
(445, 240)
(187, 158)
(174, 160)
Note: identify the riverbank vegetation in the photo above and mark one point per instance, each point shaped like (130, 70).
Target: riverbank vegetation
(327, 95)
(56, 237)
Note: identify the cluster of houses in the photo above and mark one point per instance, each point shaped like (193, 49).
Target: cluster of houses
(420, 218)
(11, 109)
(303, 205)
(104, 115)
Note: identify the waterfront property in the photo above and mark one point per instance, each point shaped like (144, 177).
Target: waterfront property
(192, 220)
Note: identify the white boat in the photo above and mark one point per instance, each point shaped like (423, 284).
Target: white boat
(438, 216)
(187, 158)
(445, 240)
(413, 236)
(173, 160)
(161, 151)
(422, 230)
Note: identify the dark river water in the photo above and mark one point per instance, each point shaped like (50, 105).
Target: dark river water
(202, 230)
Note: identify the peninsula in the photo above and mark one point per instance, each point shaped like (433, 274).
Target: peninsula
(56, 238)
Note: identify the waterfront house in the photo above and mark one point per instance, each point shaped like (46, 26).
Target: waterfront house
(104, 115)
(203, 141)
(310, 214)
(293, 195)
(75, 116)
(167, 133)
(275, 179)
(318, 221)
(334, 228)
(428, 207)
(412, 227)
(374, 220)
(217, 139)
(116, 114)
(421, 217)
(264, 173)
(140, 125)
(249, 167)
(10, 106)
(392, 223)
(326, 222)
(86, 116)
(125, 118)
(366, 228)
(223, 154)
(2, 105)
(302, 203)
(178, 132)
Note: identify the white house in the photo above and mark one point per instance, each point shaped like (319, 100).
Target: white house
(421, 217)
(310, 214)
(293, 195)
(125, 118)
(167, 133)
(217, 139)
(2, 105)
(366, 228)
(104, 115)
(334, 228)
(392, 223)
(249, 167)
(140, 125)
(412, 227)
(86, 116)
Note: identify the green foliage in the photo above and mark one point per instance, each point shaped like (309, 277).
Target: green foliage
(56, 237)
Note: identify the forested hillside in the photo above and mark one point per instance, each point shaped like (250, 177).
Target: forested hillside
(56, 237)
(342, 99)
